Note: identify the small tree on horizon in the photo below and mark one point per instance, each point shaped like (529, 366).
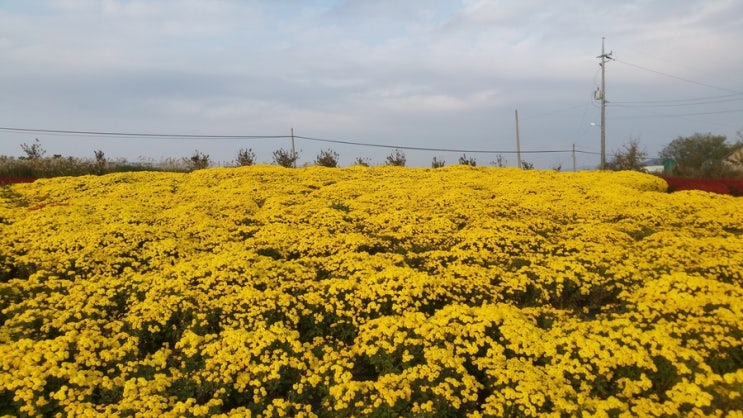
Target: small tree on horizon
(100, 161)
(362, 161)
(630, 157)
(33, 151)
(285, 158)
(465, 160)
(436, 163)
(499, 161)
(245, 157)
(198, 161)
(396, 158)
(327, 158)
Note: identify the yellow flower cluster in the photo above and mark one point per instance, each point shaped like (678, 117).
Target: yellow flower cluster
(385, 291)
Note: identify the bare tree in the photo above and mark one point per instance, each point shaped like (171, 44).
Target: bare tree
(198, 161)
(100, 161)
(285, 158)
(465, 160)
(245, 157)
(33, 151)
(363, 161)
(500, 161)
(630, 157)
(327, 158)
(397, 158)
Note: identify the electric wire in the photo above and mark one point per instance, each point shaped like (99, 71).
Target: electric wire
(140, 135)
(674, 115)
(631, 104)
(690, 101)
(677, 77)
(314, 139)
(473, 151)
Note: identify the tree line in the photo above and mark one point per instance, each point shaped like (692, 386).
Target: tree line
(35, 163)
(698, 155)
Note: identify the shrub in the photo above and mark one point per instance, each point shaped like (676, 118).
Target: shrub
(499, 161)
(285, 158)
(245, 157)
(327, 158)
(396, 158)
(198, 161)
(465, 160)
(362, 161)
(630, 157)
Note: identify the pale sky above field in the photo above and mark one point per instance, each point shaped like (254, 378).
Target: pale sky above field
(411, 73)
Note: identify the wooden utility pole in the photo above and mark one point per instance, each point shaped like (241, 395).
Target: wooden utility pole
(294, 153)
(518, 142)
(573, 157)
(604, 56)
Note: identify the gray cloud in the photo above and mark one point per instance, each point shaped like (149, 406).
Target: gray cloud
(413, 73)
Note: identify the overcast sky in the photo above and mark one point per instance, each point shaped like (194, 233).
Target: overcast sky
(411, 73)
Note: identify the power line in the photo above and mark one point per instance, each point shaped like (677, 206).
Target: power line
(680, 104)
(141, 135)
(674, 115)
(237, 137)
(402, 147)
(689, 101)
(678, 78)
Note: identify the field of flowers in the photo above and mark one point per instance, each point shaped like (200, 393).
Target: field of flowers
(385, 291)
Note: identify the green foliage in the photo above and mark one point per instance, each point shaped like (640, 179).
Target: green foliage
(285, 158)
(700, 154)
(630, 157)
(198, 161)
(327, 158)
(396, 158)
(245, 157)
(465, 160)
(527, 165)
(436, 163)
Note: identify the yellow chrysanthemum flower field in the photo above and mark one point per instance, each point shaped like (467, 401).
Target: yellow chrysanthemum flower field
(384, 291)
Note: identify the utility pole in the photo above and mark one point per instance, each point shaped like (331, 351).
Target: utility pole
(294, 153)
(518, 142)
(604, 56)
(573, 157)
